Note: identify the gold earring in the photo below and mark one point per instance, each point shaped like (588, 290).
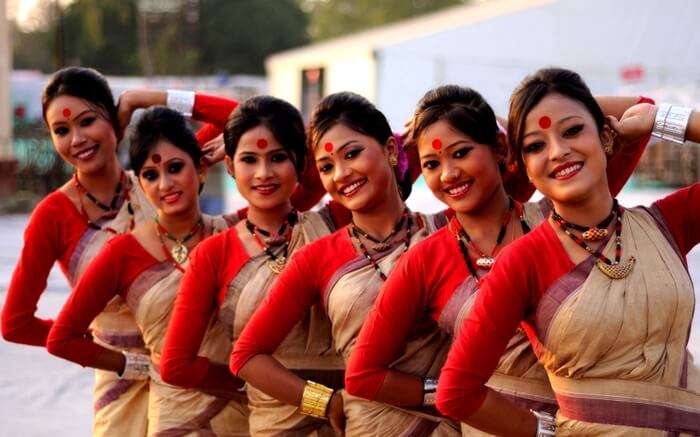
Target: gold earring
(608, 147)
(393, 161)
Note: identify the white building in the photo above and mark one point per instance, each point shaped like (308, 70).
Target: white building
(618, 46)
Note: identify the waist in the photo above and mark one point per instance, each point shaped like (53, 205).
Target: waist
(629, 403)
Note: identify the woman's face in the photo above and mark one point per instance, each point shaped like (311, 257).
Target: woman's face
(355, 168)
(170, 179)
(562, 150)
(460, 172)
(263, 169)
(81, 134)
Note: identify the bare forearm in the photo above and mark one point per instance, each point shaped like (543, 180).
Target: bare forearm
(144, 98)
(692, 133)
(497, 415)
(110, 360)
(269, 375)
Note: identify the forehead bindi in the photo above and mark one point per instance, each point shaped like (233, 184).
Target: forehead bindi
(544, 122)
(436, 144)
(261, 143)
(156, 158)
(66, 112)
(328, 147)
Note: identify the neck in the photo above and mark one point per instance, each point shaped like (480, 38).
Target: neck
(586, 212)
(102, 183)
(484, 222)
(380, 221)
(179, 225)
(269, 219)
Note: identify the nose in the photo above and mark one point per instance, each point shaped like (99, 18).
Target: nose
(341, 172)
(559, 148)
(165, 182)
(77, 137)
(263, 170)
(449, 174)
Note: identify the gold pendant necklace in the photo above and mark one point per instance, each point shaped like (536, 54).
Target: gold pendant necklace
(616, 270)
(277, 265)
(179, 251)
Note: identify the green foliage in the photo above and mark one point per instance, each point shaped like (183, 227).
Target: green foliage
(332, 18)
(237, 36)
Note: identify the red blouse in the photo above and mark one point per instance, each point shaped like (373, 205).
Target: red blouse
(109, 274)
(300, 285)
(47, 239)
(213, 265)
(414, 294)
(511, 292)
(53, 231)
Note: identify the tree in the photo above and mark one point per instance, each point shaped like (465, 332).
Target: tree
(332, 18)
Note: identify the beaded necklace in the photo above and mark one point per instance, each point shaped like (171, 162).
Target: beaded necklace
(383, 244)
(111, 210)
(179, 252)
(276, 262)
(592, 233)
(355, 233)
(465, 243)
(612, 269)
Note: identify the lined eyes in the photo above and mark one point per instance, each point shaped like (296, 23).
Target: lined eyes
(570, 132)
(173, 167)
(459, 153)
(348, 154)
(275, 157)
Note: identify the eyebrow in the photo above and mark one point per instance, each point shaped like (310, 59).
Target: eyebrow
(453, 144)
(267, 152)
(169, 161)
(59, 122)
(558, 122)
(347, 143)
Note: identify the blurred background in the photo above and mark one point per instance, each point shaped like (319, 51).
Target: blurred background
(391, 51)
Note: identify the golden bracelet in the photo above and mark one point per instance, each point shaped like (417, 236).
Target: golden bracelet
(315, 399)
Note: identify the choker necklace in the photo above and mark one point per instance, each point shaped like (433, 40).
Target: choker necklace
(593, 233)
(612, 269)
(179, 251)
(383, 244)
(277, 262)
(485, 262)
(355, 233)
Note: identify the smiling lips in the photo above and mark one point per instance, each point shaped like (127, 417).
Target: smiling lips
(87, 153)
(566, 171)
(458, 190)
(171, 198)
(266, 189)
(350, 189)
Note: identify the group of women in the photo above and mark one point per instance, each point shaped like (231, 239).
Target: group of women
(570, 315)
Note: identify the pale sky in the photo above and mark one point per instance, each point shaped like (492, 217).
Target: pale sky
(21, 11)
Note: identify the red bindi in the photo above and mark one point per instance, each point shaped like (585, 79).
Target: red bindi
(261, 143)
(545, 122)
(155, 158)
(328, 146)
(437, 144)
(66, 112)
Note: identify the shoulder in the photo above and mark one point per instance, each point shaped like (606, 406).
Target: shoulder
(56, 205)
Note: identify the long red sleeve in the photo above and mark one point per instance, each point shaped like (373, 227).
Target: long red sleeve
(212, 109)
(298, 287)
(213, 265)
(51, 235)
(506, 297)
(414, 294)
(110, 274)
(681, 211)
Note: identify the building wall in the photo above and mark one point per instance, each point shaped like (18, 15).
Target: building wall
(600, 39)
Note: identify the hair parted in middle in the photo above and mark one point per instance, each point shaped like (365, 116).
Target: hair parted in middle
(161, 123)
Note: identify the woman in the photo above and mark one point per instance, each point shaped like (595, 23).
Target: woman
(434, 284)
(604, 296)
(361, 168)
(144, 268)
(72, 224)
(231, 273)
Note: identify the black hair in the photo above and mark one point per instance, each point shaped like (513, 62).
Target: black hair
(359, 114)
(161, 123)
(86, 84)
(464, 109)
(537, 86)
(277, 115)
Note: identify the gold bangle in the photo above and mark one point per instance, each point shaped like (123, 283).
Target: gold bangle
(315, 399)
